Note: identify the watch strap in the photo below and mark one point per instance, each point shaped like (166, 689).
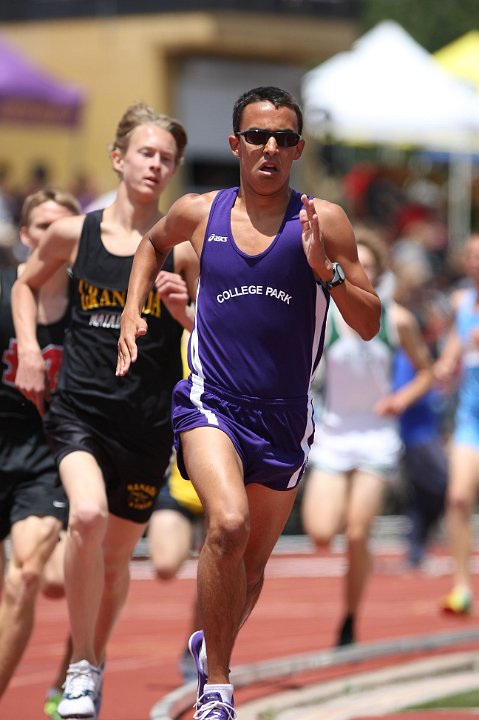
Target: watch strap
(337, 279)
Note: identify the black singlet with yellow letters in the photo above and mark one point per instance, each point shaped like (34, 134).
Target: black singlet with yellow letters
(87, 377)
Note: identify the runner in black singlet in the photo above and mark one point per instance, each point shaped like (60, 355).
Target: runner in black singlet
(33, 504)
(112, 437)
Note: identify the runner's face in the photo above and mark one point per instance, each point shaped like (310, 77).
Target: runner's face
(149, 161)
(41, 217)
(267, 167)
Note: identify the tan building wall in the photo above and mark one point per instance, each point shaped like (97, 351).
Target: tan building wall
(123, 59)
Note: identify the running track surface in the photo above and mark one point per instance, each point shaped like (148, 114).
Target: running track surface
(298, 612)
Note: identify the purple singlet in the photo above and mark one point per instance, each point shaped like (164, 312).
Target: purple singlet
(256, 344)
(260, 319)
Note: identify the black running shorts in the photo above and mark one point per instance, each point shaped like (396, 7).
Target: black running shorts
(29, 481)
(133, 460)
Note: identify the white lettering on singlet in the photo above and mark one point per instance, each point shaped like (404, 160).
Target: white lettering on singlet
(280, 294)
(105, 320)
(253, 290)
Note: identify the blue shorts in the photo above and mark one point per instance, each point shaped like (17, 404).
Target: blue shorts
(272, 437)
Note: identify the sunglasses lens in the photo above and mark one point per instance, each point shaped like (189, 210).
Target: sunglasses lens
(261, 137)
(256, 137)
(286, 139)
(292, 139)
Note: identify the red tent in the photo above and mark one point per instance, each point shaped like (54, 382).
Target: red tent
(32, 96)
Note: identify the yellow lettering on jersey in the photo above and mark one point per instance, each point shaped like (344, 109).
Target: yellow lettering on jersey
(92, 297)
(118, 298)
(105, 299)
(88, 295)
(153, 304)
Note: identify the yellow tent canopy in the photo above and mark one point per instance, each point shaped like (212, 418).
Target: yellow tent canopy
(461, 57)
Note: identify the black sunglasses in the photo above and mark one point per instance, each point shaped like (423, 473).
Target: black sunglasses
(284, 138)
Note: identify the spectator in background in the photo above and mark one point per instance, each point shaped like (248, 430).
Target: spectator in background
(373, 193)
(8, 241)
(8, 229)
(84, 189)
(7, 200)
(39, 176)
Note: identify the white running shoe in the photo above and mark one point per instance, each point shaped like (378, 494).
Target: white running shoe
(80, 692)
(211, 706)
(99, 688)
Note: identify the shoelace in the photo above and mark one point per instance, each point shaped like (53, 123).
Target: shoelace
(214, 710)
(79, 682)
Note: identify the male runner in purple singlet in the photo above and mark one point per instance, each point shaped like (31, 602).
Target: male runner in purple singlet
(243, 419)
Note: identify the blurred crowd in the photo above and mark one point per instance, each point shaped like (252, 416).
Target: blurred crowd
(12, 199)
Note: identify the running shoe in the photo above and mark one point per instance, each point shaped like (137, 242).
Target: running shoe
(457, 602)
(81, 688)
(212, 707)
(194, 644)
(346, 632)
(52, 702)
(187, 667)
(99, 688)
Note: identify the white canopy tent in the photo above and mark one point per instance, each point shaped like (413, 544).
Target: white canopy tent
(388, 90)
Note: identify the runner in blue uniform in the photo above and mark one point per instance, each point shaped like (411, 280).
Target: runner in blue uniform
(459, 362)
(269, 257)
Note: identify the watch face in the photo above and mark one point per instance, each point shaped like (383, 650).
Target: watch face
(338, 277)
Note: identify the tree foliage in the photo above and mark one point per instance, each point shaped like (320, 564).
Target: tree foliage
(432, 23)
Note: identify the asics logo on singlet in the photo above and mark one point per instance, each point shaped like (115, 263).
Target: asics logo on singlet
(217, 238)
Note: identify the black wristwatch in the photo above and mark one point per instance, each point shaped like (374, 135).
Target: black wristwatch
(338, 277)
